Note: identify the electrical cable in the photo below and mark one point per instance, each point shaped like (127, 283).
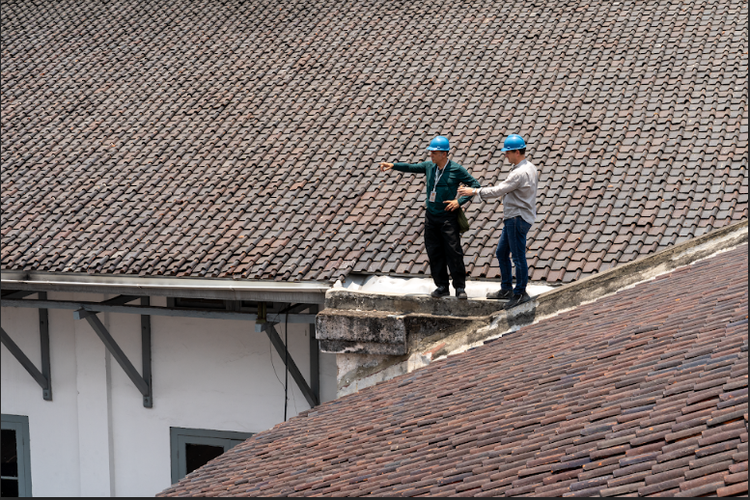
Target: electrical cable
(286, 361)
(270, 354)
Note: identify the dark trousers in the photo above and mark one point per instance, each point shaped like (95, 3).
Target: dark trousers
(513, 241)
(443, 242)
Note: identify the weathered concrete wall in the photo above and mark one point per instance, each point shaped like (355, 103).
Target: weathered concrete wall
(380, 332)
(373, 334)
(361, 332)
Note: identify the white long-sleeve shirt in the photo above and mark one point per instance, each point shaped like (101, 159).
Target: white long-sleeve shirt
(518, 192)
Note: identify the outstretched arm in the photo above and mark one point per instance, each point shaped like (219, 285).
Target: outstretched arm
(511, 183)
(414, 168)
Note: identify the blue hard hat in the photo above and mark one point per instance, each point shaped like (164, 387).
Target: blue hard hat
(513, 142)
(439, 143)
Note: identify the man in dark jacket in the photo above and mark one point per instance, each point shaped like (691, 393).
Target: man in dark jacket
(441, 233)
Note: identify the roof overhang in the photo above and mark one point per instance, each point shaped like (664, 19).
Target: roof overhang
(221, 289)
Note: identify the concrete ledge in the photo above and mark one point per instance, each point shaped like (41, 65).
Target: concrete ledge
(381, 327)
(345, 300)
(437, 328)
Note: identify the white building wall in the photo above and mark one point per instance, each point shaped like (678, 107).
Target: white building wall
(96, 439)
(53, 425)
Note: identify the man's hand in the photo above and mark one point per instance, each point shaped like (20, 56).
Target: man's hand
(466, 191)
(451, 205)
(385, 166)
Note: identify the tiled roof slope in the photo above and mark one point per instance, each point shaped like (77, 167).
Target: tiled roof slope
(239, 139)
(644, 391)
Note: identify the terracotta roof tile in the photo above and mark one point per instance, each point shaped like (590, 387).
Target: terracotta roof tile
(238, 141)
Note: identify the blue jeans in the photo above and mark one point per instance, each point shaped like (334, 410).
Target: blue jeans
(513, 241)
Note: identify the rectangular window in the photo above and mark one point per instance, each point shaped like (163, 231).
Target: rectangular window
(15, 475)
(193, 448)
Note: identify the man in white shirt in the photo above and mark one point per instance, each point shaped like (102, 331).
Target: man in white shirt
(519, 213)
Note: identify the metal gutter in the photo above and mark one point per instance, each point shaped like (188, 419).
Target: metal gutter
(222, 289)
(96, 307)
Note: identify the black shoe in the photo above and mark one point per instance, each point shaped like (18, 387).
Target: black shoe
(461, 294)
(501, 294)
(517, 300)
(440, 291)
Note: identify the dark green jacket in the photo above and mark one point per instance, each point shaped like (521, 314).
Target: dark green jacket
(447, 187)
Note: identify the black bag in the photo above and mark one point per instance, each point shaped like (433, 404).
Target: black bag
(463, 222)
